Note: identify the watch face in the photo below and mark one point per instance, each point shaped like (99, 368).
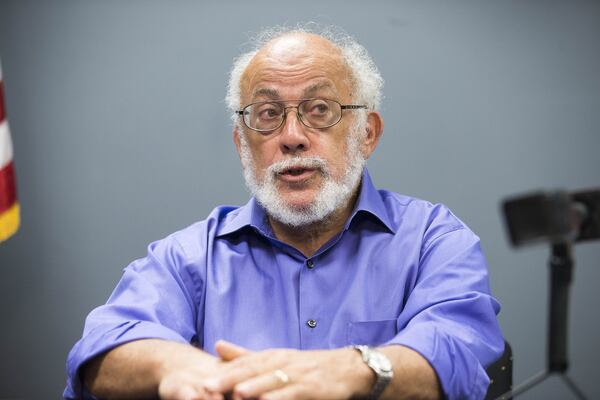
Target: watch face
(381, 361)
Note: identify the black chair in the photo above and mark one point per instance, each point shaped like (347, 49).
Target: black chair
(500, 374)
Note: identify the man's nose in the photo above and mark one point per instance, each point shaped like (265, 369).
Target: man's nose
(293, 136)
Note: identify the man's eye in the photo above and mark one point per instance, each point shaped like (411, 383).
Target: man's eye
(319, 109)
(268, 113)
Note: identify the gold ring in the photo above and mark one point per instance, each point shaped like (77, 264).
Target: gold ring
(281, 376)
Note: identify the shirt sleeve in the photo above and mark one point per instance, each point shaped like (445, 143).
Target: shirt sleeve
(450, 315)
(139, 308)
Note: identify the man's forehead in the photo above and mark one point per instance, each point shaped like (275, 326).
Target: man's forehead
(322, 86)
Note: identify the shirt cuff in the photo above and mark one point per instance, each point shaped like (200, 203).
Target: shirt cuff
(460, 373)
(103, 338)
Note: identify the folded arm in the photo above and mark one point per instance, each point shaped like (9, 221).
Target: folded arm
(143, 368)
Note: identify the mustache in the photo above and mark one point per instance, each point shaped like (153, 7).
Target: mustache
(310, 162)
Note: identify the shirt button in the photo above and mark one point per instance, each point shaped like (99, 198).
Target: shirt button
(311, 323)
(310, 264)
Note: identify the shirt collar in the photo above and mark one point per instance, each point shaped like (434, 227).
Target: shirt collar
(253, 214)
(250, 215)
(370, 201)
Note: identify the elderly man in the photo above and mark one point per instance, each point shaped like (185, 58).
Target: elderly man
(321, 286)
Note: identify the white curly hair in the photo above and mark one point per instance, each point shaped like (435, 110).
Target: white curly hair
(366, 81)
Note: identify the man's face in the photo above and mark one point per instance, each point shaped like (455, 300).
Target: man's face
(300, 174)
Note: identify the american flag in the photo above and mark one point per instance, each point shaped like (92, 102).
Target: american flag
(9, 206)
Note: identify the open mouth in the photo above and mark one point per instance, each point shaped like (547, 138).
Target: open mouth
(295, 171)
(296, 174)
(298, 170)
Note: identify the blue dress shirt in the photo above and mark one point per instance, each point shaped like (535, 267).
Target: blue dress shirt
(402, 271)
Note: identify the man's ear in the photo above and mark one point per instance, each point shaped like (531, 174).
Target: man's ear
(374, 128)
(236, 140)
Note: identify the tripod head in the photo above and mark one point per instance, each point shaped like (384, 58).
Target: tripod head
(553, 216)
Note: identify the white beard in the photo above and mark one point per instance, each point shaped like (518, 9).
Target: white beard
(332, 194)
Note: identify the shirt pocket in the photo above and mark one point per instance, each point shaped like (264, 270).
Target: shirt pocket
(372, 333)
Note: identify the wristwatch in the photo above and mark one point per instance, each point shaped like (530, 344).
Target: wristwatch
(382, 367)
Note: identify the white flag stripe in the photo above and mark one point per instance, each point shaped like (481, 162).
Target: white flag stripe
(6, 150)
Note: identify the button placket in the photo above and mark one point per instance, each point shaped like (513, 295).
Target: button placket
(310, 333)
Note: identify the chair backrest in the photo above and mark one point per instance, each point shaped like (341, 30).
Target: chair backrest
(500, 374)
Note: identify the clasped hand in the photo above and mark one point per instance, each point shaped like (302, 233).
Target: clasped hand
(271, 375)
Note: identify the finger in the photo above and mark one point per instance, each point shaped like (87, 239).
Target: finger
(182, 392)
(243, 368)
(224, 382)
(291, 392)
(229, 351)
(214, 396)
(254, 387)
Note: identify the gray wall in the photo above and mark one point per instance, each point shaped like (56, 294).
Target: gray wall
(121, 137)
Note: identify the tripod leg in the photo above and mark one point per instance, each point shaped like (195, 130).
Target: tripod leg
(576, 391)
(525, 386)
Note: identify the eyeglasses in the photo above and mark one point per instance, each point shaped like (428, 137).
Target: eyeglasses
(267, 116)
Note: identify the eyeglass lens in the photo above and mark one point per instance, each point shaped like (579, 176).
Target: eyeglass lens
(314, 113)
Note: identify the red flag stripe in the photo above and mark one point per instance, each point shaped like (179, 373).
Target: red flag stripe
(8, 190)
(2, 112)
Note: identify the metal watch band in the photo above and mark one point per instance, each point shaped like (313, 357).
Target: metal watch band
(379, 364)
